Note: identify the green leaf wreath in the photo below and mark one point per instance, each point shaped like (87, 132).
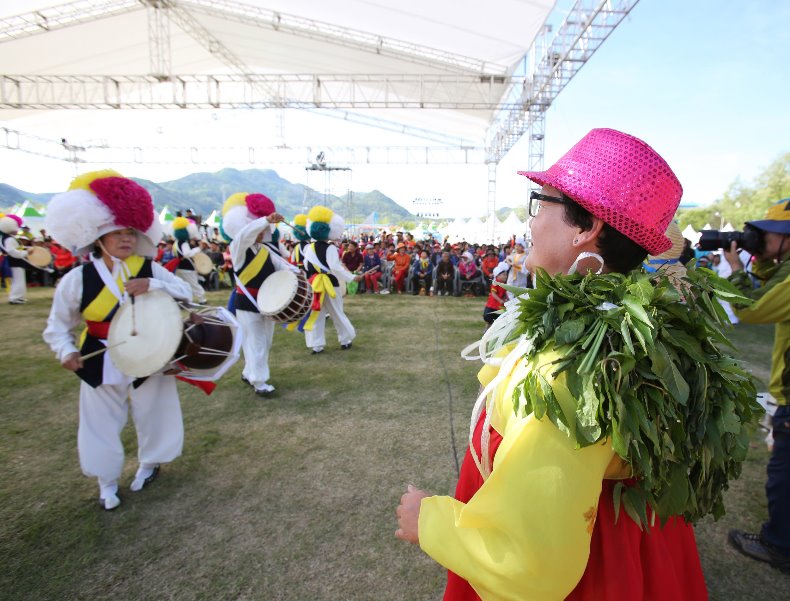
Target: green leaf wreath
(650, 373)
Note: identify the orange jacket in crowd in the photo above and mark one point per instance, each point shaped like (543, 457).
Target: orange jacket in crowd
(402, 261)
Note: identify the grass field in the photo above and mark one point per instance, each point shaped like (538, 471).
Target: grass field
(291, 497)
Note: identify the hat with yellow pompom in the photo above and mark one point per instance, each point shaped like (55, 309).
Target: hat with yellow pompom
(241, 209)
(324, 224)
(185, 229)
(300, 227)
(98, 203)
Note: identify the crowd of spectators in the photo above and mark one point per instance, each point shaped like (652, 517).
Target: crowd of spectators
(390, 262)
(400, 264)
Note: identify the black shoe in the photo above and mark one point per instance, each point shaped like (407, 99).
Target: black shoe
(315, 352)
(752, 546)
(345, 347)
(246, 381)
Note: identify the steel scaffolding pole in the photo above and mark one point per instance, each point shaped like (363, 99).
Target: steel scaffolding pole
(159, 41)
(548, 66)
(491, 223)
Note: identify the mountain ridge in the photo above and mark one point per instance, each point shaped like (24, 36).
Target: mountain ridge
(204, 192)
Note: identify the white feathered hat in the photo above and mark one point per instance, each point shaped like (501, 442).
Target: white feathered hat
(243, 208)
(324, 224)
(10, 224)
(98, 203)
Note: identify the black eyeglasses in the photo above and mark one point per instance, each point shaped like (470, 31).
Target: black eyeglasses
(535, 198)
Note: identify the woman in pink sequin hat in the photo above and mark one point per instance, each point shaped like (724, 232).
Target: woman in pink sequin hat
(533, 515)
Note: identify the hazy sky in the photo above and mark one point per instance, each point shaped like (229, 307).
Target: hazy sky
(704, 82)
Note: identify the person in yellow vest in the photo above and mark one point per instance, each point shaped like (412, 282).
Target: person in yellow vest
(15, 255)
(111, 217)
(325, 271)
(248, 220)
(771, 305)
(186, 234)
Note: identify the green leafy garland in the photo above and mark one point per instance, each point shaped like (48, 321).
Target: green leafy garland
(650, 374)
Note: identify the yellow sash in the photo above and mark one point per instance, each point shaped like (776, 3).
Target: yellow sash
(254, 267)
(101, 306)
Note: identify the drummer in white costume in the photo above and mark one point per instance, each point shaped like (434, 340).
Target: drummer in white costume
(325, 271)
(15, 255)
(248, 219)
(185, 231)
(114, 217)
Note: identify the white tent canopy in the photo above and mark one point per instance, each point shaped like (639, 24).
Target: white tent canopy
(306, 54)
(690, 234)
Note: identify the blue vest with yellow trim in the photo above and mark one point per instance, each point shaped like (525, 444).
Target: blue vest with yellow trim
(92, 285)
(320, 247)
(242, 303)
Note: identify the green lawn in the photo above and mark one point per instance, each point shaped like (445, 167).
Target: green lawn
(291, 497)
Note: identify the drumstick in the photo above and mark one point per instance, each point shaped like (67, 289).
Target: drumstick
(134, 325)
(100, 351)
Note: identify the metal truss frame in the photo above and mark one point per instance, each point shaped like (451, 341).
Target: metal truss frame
(101, 153)
(64, 15)
(520, 100)
(159, 42)
(83, 11)
(548, 66)
(254, 90)
(334, 34)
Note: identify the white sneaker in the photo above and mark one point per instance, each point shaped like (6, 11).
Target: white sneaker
(108, 497)
(264, 390)
(144, 477)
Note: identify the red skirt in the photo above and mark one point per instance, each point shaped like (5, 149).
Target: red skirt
(625, 564)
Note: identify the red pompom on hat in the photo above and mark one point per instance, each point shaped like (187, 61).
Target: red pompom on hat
(259, 205)
(128, 201)
(100, 202)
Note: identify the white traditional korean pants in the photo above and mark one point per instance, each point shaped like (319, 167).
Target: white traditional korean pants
(18, 284)
(316, 338)
(258, 333)
(103, 412)
(191, 277)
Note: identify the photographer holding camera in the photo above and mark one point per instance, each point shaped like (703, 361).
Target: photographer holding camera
(769, 241)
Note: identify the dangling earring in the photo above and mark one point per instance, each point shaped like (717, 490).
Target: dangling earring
(586, 255)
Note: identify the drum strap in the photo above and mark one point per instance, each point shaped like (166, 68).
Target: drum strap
(246, 292)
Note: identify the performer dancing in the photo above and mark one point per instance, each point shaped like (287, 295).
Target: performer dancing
(325, 270)
(113, 218)
(596, 383)
(302, 240)
(15, 255)
(247, 220)
(186, 233)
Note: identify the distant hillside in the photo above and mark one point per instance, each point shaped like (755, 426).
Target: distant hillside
(205, 192)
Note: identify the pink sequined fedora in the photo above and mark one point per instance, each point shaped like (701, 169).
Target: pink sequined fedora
(622, 180)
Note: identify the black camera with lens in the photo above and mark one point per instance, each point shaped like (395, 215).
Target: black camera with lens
(750, 239)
